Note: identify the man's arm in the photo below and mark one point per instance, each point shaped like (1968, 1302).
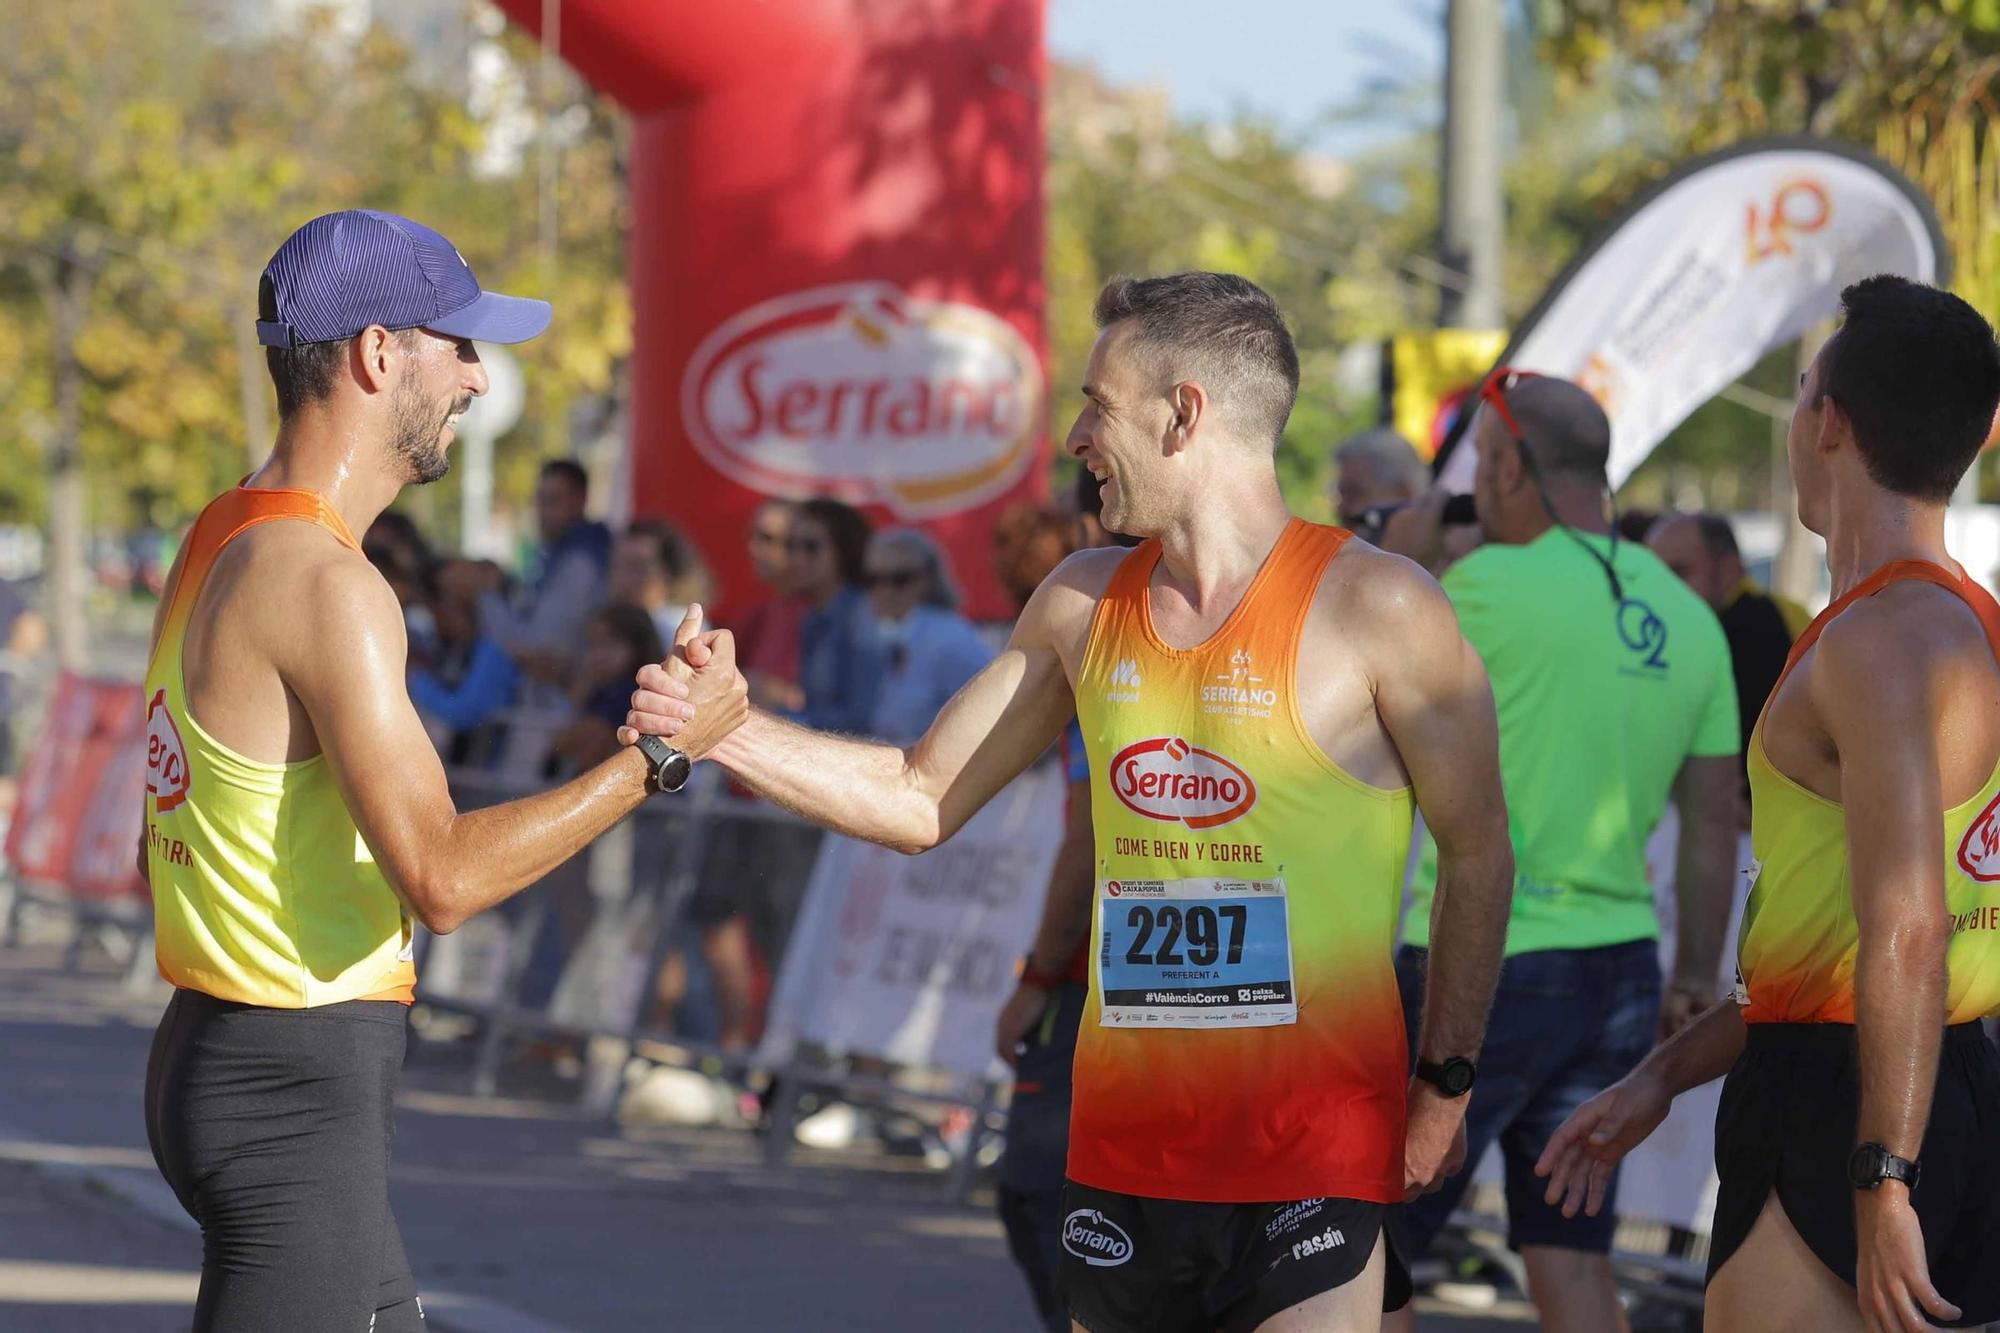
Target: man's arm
(912, 799)
(1705, 792)
(1587, 1147)
(1434, 700)
(1873, 696)
(447, 866)
(1875, 687)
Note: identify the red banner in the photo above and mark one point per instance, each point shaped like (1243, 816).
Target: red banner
(76, 821)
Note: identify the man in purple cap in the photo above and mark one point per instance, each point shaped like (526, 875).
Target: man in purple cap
(297, 818)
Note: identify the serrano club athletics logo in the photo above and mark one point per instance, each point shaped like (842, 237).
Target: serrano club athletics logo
(864, 392)
(1979, 849)
(166, 758)
(1167, 779)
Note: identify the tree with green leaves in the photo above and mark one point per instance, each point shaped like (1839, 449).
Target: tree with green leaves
(151, 159)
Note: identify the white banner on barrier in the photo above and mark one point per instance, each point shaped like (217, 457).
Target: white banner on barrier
(909, 958)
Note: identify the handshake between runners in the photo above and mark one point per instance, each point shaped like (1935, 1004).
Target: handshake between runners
(696, 697)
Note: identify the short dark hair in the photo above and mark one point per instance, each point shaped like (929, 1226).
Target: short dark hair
(666, 544)
(1717, 534)
(1219, 329)
(1918, 375)
(302, 374)
(570, 471)
(849, 530)
(634, 627)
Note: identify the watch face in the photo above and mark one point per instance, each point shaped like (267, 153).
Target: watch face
(1864, 1167)
(1457, 1077)
(674, 772)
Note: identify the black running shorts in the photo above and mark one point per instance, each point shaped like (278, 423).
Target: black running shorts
(273, 1127)
(1139, 1265)
(1787, 1122)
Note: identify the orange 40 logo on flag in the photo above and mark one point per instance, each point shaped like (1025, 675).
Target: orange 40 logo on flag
(1800, 206)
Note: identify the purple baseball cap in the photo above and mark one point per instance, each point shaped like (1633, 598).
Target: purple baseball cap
(343, 271)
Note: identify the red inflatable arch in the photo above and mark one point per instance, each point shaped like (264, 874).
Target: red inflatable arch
(836, 260)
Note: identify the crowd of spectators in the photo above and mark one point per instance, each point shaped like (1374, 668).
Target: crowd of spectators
(522, 676)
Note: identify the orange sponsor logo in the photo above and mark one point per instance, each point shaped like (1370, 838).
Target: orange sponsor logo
(1800, 207)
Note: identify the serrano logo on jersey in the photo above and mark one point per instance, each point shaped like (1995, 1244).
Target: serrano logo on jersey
(1167, 779)
(166, 757)
(1979, 849)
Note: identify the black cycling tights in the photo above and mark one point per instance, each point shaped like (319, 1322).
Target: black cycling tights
(273, 1127)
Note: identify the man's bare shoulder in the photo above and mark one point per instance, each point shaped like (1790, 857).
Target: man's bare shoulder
(1899, 647)
(1067, 599)
(1369, 593)
(311, 597)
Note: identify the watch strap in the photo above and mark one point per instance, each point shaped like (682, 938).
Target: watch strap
(1453, 1076)
(1873, 1163)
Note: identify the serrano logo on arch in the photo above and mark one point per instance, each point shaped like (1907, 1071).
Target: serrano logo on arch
(861, 391)
(1167, 779)
(1979, 849)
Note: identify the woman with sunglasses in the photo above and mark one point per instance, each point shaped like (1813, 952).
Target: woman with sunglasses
(932, 648)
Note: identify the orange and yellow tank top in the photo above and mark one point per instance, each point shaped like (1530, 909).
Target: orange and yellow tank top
(1243, 1040)
(1796, 951)
(263, 890)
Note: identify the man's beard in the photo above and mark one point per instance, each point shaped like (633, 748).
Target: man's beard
(417, 426)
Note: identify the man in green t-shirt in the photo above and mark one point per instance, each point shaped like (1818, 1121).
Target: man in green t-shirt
(1615, 695)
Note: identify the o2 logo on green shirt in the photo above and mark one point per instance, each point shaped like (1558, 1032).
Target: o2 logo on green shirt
(1643, 632)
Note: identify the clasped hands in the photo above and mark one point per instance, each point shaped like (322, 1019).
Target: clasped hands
(696, 697)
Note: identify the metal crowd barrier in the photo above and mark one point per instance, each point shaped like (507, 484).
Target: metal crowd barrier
(600, 995)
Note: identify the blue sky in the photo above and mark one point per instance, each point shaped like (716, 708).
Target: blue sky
(1291, 60)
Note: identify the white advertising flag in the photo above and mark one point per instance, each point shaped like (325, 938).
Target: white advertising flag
(1731, 256)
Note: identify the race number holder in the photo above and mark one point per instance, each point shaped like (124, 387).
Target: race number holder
(1195, 953)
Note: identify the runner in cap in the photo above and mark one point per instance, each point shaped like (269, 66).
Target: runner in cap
(1263, 702)
(297, 818)
(1856, 1140)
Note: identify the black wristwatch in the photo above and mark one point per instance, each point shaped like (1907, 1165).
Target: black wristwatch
(1453, 1077)
(1871, 1164)
(670, 766)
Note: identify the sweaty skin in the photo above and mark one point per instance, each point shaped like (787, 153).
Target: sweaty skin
(297, 646)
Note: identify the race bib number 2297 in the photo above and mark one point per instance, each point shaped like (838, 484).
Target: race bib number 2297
(1193, 953)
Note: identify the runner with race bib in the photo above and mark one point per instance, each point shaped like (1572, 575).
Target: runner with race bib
(1264, 701)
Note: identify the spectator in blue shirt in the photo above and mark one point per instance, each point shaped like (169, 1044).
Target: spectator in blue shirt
(932, 649)
(470, 680)
(841, 654)
(542, 624)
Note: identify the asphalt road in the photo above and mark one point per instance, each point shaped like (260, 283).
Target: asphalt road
(520, 1214)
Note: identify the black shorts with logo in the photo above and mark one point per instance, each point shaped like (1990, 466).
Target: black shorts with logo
(1140, 1265)
(1787, 1123)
